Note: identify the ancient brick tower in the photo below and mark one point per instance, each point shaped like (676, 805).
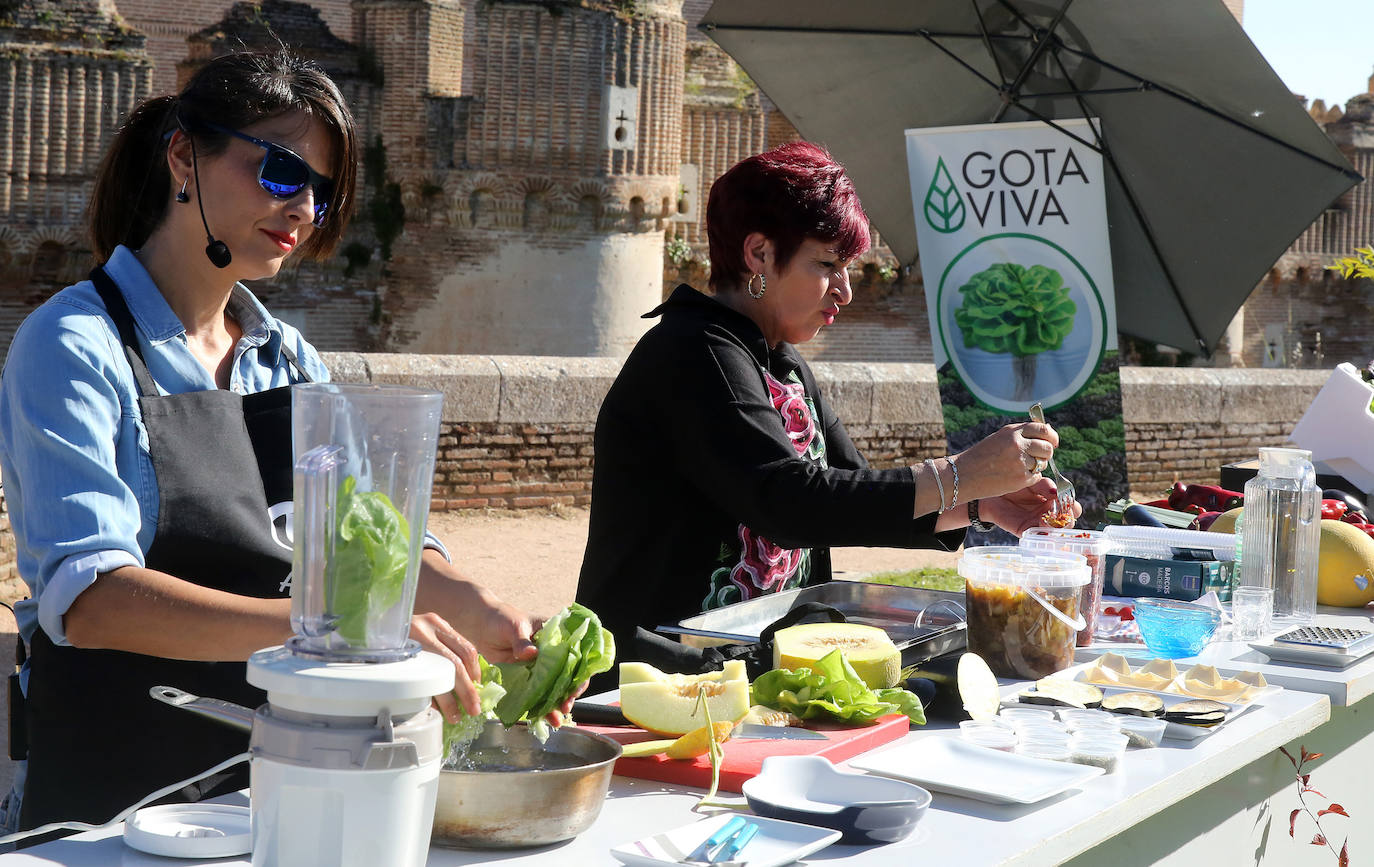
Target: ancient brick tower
(70, 72)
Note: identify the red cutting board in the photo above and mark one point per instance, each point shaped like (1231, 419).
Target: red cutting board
(744, 757)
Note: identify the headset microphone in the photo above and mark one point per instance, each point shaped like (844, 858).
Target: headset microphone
(216, 251)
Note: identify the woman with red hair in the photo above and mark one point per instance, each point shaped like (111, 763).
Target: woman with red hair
(722, 474)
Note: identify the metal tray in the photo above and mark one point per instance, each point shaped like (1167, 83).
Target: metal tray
(922, 623)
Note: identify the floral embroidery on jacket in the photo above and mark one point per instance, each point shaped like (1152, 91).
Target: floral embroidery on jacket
(753, 566)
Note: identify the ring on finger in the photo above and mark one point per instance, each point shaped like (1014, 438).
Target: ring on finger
(1040, 464)
(1028, 462)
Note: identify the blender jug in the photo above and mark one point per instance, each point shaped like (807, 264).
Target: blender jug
(364, 469)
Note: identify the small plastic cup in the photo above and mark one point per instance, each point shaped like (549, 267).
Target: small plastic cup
(976, 725)
(1058, 752)
(1141, 731)
(1094, 724)
(1099, 749)
(1011, 714)
(996, 738)
(1071, 714)
(1031, 726)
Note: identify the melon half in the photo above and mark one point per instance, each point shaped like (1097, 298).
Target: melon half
(667, 703)
(868, 650)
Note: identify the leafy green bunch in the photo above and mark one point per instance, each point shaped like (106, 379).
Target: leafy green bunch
(832, 690)
(371, 555)
(1359, 265)
(1009, 308)
(572, 647)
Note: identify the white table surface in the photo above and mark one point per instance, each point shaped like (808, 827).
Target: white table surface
(955, 830)
(1344, 686)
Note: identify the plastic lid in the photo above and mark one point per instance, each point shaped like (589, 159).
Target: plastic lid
(191, 830)
(1066, 539)
(1024, 567)
(1284, 463)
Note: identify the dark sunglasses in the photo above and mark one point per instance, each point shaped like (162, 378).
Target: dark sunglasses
(283, 173)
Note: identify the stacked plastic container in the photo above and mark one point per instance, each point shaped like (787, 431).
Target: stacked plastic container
(1093, 546)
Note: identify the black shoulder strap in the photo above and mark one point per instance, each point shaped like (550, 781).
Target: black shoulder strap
(291, 359)
(124, 324)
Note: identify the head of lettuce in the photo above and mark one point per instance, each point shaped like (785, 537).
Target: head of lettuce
(572, 647)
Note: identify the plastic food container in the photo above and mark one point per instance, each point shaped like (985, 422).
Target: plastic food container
(1142, 731)
(1093, 546)
(1173, 630)
(1012, 714)
(1109, 725)
(1069, 715)
(1100, 750)
(1022, 608)
(1054, 751)
(1029, 727)
(991, 736)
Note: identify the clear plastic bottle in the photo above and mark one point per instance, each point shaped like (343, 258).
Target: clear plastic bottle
(1281, 534)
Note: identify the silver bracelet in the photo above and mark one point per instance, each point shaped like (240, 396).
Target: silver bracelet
(954, 499)
(930, 462)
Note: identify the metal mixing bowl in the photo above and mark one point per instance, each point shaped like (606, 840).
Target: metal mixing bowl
(520, 793)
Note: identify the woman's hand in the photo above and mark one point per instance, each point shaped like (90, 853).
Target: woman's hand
(1005, 461)
(1018, 511)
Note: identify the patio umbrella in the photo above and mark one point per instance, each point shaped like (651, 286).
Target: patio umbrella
(1213, 167)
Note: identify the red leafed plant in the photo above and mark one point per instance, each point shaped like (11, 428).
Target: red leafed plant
(1305, 788)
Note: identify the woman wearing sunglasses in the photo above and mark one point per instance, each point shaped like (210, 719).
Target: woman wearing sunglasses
(145, 433)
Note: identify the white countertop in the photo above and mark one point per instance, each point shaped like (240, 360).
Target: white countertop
(1045, 833)
(1344, 686)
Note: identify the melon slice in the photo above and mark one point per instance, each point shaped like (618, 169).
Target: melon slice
(667, 703)
(872, 654)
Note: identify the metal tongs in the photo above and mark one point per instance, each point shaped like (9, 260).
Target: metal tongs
(727, 842)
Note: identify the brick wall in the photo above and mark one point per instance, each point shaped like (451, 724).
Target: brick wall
(518, 431)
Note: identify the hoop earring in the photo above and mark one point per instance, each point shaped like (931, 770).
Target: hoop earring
(763, 287)
(182, 198)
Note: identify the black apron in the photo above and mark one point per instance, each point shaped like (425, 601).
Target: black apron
(97, 741)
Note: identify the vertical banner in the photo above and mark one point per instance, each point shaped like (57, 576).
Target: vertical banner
(1011, 220)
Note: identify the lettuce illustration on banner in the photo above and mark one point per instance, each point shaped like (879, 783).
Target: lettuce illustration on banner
(1021, 311)
(832, 690)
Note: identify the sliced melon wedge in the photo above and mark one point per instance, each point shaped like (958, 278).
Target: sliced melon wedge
(667, 703)
(875, 659)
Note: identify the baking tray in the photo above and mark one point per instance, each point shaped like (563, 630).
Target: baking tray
(922, 623)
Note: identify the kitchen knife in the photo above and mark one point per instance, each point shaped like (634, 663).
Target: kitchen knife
(593, 713)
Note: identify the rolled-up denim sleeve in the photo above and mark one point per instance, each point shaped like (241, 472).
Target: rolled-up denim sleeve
(72, 514)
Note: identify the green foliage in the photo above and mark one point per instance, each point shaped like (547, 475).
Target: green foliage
(1359, 265)
(1080, 446)
(384, 200)
(958, 418)
(929, 578)
(832, 690)
(677, 250)
(371, 554)
(1009, 308)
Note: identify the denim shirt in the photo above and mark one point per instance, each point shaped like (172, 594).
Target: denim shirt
(78, 479)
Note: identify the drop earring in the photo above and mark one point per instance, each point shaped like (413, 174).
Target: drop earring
(182, 198)
(763, 287)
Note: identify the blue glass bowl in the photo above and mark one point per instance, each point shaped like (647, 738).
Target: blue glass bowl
(1175, 629)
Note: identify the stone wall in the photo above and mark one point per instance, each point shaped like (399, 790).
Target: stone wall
(518, 430)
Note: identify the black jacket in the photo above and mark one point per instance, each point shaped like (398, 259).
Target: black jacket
(700, 498)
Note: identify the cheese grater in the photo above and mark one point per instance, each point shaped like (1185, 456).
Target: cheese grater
(1330, 637)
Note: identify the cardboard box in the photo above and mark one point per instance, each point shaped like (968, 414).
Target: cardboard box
(1184, 580)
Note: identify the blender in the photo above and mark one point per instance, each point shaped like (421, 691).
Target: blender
(345, 755)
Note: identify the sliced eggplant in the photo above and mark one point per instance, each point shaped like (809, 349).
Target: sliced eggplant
(1206, 720)
(978, 687)
(1135, 703)
(1062, 692)
(1198, 712)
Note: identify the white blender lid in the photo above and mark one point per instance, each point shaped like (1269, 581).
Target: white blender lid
(191, 830)
(344, 688)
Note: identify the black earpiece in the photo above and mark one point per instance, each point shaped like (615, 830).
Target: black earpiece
(216, 251)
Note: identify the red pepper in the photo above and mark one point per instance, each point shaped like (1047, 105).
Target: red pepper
(1354, 517)
(1158, 504)
(1368, 528)
(1209, 497)
(1333, 510)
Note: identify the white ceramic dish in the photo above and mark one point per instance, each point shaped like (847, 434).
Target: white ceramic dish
(951, 765)
(1173, 730)
(1080, 671)
(864, 808)
(190, 831)
(777, 843)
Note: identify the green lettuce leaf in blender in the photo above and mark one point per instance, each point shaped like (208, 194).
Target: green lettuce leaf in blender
(371, 554)
(832, 690)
